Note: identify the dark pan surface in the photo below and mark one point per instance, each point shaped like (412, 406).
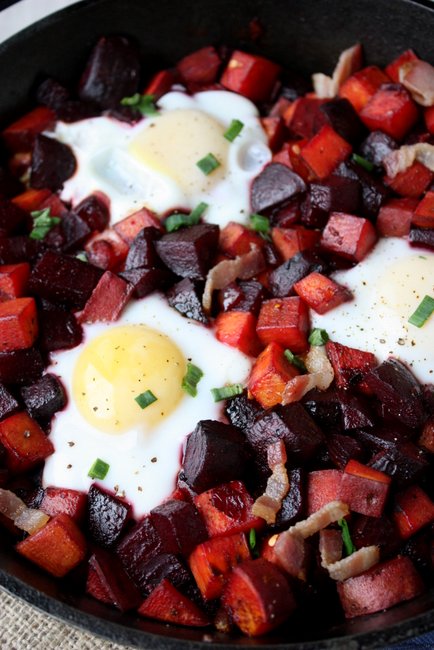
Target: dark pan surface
(307, 35)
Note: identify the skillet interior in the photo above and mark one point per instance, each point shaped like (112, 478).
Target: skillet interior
(308, 36)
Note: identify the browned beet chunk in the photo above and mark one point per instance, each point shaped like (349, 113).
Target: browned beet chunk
(422, 237)
(324, 407)
(107, 516)
(400, 392)
(8, 403)
(20, 249)
(337, 194)
(138, 546)
(94, 212)
(189, 252)
(44, 398)
(184, 297)
(64, 279)
(75, 230)
(341, 115)
(275, 184)
(378, 531)
(145, 281)
(283, 278)
(59, 330)
(112, 577)
(149, 574)
(52, 163)
(252, 295)
(215, 453)
(11, 217)
(112, 72)
(20, 366)
(179, 525)
(9, 185)
(405, 463)
(52, 94)
(142, 251)
(376, 146)
(344, 448)
(374, 192)
(293, 505)
(242, 412)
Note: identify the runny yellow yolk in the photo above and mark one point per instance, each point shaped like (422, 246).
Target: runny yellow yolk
(121, 364)
(175, 141)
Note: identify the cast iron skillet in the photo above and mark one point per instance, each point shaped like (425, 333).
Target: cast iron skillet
(307, 35)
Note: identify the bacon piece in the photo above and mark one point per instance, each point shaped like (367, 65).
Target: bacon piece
(328, 514)
(401, 159)
(268, 504)
(27, 519)
(355, 564)
(330, 546)
(418, 77)
(349, 62)
(320, 375)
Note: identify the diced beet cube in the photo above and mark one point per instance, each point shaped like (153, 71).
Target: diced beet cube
(106, 574)
(322, 487)
(8, 403)
(150, 573)
(142, 252)
(325, 151)
(348, 236)
(25, 442)
(321, 293)
(13, 280)
(269, 376)
(250, 296)
(185, 298)
(11, 217)
(107, 300)
(390, 110)
(75, 231)
(241, 411)
(250, 75)
(20, 366)
(52, 163)
(375, 531)
(215, 453)
(59, 330)
(200, 67)
(395, 216)
(342, 117)
(9, 185)
(107, 516)
(284, 321)
(274, 185)
(282, 279)
(343, 448)
(376, 146)
(374, 192)
(335, 194)
(349, 364)
(303, 116)
(411, 182)
(189, 252)
(364, 489)
(423, 216)
(180, 526)
(355, 411)
(94, 211)
(139, 545)
(422, 237)
(324, 407)
(44, 398)
(144, 281)
(112, 72)
(68, 280)
(413, 509)
(15, 250)
(166, 603)
(18, 324)
(71, 502)
(403, 461)
(294, 503)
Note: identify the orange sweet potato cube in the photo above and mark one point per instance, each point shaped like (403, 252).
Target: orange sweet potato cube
(238, 329)
(290, 241)
(284, 321)
(269, 375)
(325, 151)
(361, 86)
(236, 239)
(25, 442)
(321, 293)
(18, 324)
(13, 280)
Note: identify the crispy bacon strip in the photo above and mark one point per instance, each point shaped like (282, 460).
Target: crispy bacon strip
(322, 518)
(268, 504)
(320, 375)
(399, 160)
(27, 519)
(418, 77)
(349, 62)
(354, 564)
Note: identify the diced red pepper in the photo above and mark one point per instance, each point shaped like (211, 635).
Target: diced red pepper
(238, 329)
(423, 216)
(392, 70)
(129, 227)
(18, 324)
(58, 547)
(274, 128)
(322, 488)
(166, 603)
(250, 75)
(361, 86)
(394, 217)
(107, 300)
(390, 110)
(349, 364)
(31, 199)
(304, 118)
(25, 442)
(106, 249)
(200, 67)
(348, 236)
(284, 321)
(412, 182)
(13, 280)
(160, 84)
(321, 293)
(364, 489)
(211, 562)
(413, 510)
(62, 500)
(236, 239)
(269, 376)
(429, 119)
(19, 135)
(289, 241)
(325, 151)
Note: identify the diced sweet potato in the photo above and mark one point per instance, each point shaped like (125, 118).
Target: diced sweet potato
(303, 117)
(200, 67)
(58, 547)
(349, 364)
(413, 509)
(325, 151)
(361, 86)
(290, 241)
(348, 236)
(284, 321)
(13, 280)
(18, 324)
(322, 488)
(274, 128)
(392, 70)
(168, 604)
(270, 374)
(250, 75)
(423, 216)
(107, 300)
(20, 135)
(321, 293)
(25, 442)
(236, 239)
(160, 83)
(130, 227)
(238, 329)
(390, 110)
(31, 199)
(411, 182)
(395, 217)
(63, 500)
(364, 489)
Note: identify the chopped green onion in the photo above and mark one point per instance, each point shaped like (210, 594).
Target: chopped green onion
(366, 164)
(43, 222)
(226, 391)
(99, 469)
(234, 129)
(346, 537)
(145, 399)
(191, 379)
(143, 103)
(296, 361)
(208, 164)
(318, 337)
(259, 223)
(178, 219)
(253, 543)
(423, 312)
(81, 256)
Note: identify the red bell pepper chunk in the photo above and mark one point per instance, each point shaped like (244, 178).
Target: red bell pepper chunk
(107, 300)
(238, 329)
(200, 67)
(25, 442)
(236, 239)
(57, 548)
(31, 199)
(390, 110)
(321, 293)
(364, 489)
(423, 216)
(348, 236)
(392, 70)
(20, 135)
(349, 364)
(13, 280)
(18, 324)
(284, 321)
(429, 119)
(160, 84)
(325, 151)
(106, 249)
(413, 510)
(269, 376)
(166, 603)
(322, 488)
(361, 86)
(411, 182)
(274, 128)
(63, 500)
(250, 75)
(289, 241)
(394, 217)
(129, 227)
(304, 118)
(212, 561)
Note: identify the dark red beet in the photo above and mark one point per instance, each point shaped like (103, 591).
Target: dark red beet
(75, 231)
(374, 193)
(397, 388)
(242, 412)
(20, 249)
(341, 115)
(378, 531)
(9, 185)
(142, 251)
(112, 72)
(149, 574)
(342, 448)
(64, 279)
(145, 281)
(11, 217)
(293, 505)
(355, 411)
(252, 295)
(215, 453)
(58, 330)
(185, 298)
(138, 546)
(422, 237)
(282, 279)
(44, 398)
(336, 193)
(324, 407)
(107, 516)
(8, 403)
(405, 463)
(95, 212)
(189, 252)
(179, 525)
(112, 579)
(420, 549)
(294, 85)
(21, 366)
(287, 214)
(52, 163)
(383, 437)
(275, 184)
(51, 93)
(376, 146)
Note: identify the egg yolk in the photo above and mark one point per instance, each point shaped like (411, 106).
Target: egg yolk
(118, 366)
(176, 141)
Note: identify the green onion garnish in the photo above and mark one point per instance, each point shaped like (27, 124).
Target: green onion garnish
(226, 391)
(423, 312)
(253, 543)
(234, 129)
(346, 538)
(99, 469)
(43, 222)
(363, 162)
(296, 361)
(318, 337)
(191, 379)
(178, 219)
(82, 256)
(208, 164)
(145, 399)
(143, 103)
(259, 223)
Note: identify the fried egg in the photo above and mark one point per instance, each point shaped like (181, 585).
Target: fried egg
(388, 286)
(153, 163)
(147, 349)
